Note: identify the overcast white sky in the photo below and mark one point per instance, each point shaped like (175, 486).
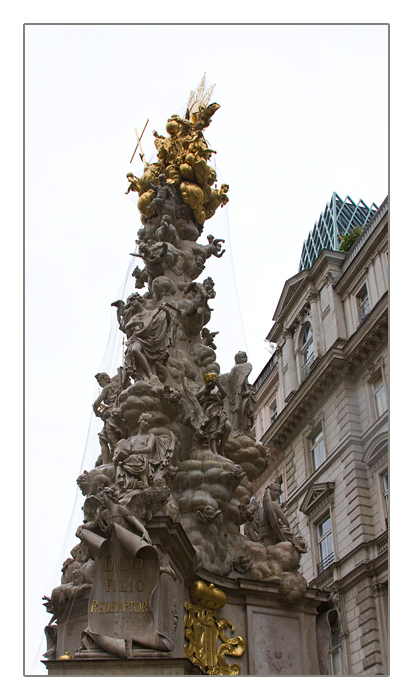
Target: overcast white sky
(303, 113)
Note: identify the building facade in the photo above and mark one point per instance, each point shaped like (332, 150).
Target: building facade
(322, 413)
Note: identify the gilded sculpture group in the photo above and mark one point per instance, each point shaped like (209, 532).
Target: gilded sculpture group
(183, 162)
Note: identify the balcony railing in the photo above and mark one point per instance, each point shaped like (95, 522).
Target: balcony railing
(364, 311)
(323, 565)
(305, 370)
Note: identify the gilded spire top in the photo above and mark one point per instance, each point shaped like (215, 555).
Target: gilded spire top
(183, 158)
(198, 99)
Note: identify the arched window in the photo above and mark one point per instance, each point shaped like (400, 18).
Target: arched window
(335, 643)
(307, 350)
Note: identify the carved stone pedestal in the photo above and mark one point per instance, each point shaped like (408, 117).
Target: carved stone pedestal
(280, 637)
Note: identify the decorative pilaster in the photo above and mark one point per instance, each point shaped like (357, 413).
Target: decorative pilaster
(315, 316)
(281, 390)
(371, 277)
(290, 377)
(298, 360)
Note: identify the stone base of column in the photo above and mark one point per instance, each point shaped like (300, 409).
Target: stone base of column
(280, 636)
(150, 664)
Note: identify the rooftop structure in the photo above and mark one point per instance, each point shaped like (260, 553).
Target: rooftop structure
(339, 217)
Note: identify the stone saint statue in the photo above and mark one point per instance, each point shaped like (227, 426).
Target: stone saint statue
(105, 408)
(148, 338)
(215, 424)
(131, 457)
(267, 522)
(275, 526)
(240, 395)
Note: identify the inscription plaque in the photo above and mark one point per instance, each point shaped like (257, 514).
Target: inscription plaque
(120, 618)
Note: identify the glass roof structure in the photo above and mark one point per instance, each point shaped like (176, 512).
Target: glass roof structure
(339, 217)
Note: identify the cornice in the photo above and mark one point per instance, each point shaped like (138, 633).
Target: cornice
(340, 361)
(370, 566)
(306, 399)
(361, 250)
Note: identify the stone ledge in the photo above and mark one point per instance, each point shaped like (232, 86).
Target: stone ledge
(150, 665)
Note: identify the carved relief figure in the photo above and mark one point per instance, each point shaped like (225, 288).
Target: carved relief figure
(154, 259)
(108, 512)
(89, 482)
(214, 247)
(164, 201)
(252, 515)
(56, 604)
(208, 514)
(198, 313)
(167, 231)
(141, 277)
(208, 337)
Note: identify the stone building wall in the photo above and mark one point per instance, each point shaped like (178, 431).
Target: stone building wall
(344, 394)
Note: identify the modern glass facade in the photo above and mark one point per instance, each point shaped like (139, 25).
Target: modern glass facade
(339, 217)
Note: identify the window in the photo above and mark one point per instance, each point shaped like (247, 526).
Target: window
(282, 494)
(335, 643)
(385, 487)
(379, 396)
(325, 544)
(307, 350)
(317, 450)
(363, 304)
(274, 411)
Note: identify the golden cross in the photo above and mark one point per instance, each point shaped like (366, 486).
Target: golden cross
(139, 143)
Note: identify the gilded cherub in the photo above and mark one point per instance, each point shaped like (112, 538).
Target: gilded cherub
(134, 183)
